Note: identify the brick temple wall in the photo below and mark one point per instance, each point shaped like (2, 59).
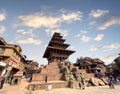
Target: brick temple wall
(83, 71)
(45, 85)
(51, 70)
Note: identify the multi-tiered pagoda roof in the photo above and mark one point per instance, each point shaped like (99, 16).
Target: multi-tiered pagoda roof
(57, 49)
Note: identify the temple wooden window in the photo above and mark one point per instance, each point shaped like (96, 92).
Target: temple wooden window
(92, 71)
(2, 50)
(83, 67)
(15, 54)
(80, 67)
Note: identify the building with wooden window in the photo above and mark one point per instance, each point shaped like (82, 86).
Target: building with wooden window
(11, 58)
(91, 65)
(14, 62)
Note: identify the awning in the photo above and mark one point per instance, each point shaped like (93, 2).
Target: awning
(95, 68)
(2, 63)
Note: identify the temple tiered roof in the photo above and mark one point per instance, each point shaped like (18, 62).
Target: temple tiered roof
(57, 49)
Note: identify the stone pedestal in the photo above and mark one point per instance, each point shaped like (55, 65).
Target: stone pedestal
(52, 71)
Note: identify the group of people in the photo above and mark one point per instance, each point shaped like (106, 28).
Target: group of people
(82, 82)
(98, 74)
(80, 79)
(5, 77)
(110, 81)
(2, 78)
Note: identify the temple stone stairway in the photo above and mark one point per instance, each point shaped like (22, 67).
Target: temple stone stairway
(55, 77)
(48, 85)
(51, 70)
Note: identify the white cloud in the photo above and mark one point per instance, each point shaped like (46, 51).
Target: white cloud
(71, 47)
(112, 46)
(105, 47)
(34, 58)
(92, 23)
(71, 16)
(52, 31)
(85, 38)
(49, 20)
(38, 20)
(30, 41)
(2, 15)
(77, 36)
(83, 31)
(95, 48)
(98, 13)
(110, 21)
(108, 58)
(23, 32)
(99, 37)
(2, 29)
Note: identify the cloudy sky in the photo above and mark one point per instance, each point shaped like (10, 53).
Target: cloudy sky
(91, 27)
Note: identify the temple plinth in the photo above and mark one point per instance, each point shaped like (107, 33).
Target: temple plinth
(57, 49)
(60, 73)
(55, 53)
(57, 70)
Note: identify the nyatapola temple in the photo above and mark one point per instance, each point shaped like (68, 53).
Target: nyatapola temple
(61, 73)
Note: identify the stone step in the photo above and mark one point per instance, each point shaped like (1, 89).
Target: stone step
(51, 77)
(51, 71)
(48, 86)
(89, 75)
(82, 71)
(54, 67)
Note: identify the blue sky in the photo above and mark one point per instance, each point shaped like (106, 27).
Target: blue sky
(91, 27)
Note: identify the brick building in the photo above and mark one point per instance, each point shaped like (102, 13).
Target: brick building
(91, 65)
(10, 57)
